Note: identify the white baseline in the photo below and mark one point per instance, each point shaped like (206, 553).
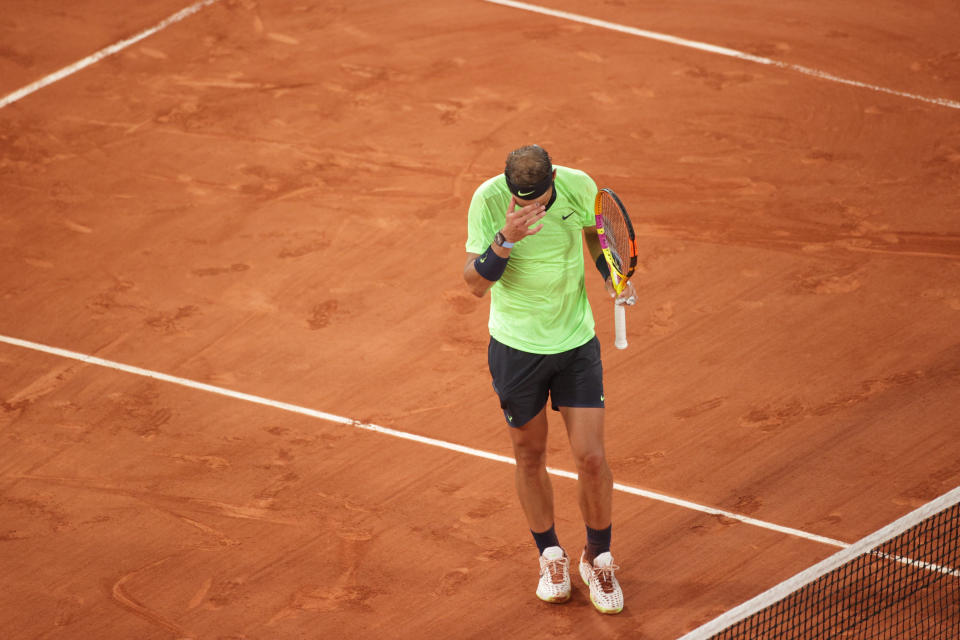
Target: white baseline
(723, 51)
(103, 53)
(433, 442)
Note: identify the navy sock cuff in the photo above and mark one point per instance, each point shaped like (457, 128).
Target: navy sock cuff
(598, 540)
(546, 538)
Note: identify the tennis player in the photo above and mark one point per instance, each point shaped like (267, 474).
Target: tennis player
(526, 229)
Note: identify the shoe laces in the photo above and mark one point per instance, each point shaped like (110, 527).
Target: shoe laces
(557, 568)
(605, 577)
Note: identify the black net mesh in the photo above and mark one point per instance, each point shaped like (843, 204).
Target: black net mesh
(907, 588)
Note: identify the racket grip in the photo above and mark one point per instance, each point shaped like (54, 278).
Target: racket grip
(619, 326)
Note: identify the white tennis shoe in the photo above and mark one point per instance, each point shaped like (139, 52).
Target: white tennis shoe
(554, 585)
(605, 592)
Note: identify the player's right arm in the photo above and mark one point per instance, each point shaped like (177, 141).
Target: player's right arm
(477, 271)
(477, 283)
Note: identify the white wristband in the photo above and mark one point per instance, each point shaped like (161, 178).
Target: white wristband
(501, 240)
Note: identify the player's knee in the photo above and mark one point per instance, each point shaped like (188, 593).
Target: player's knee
(530, 459)
(592, 463)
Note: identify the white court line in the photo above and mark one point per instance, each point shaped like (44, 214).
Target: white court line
(433, 442)
(103, 53)
(723, 51)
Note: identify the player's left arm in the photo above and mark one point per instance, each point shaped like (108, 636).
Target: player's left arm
(593, 243)
(590, 231)
(628, 295)
(597, 258)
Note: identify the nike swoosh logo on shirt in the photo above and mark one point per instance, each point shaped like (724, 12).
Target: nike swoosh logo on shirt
(567, 216)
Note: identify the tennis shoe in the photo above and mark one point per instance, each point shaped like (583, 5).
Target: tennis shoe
(605, 592)
(554, 585)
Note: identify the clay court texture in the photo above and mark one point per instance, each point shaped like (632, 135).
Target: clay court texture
(244, 388)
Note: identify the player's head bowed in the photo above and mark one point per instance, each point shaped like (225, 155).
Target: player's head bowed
(529, 172)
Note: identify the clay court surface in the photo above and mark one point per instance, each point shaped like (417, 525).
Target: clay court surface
(270, 198)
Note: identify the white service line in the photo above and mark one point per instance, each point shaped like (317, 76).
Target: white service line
(103, 53)
(433, 442)
(723, 51)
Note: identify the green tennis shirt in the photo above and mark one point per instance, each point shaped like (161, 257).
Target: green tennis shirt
(540, 304)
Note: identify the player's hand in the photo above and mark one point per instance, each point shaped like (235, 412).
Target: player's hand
(628, 296)
(519, 221)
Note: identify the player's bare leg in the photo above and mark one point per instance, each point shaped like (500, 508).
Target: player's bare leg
(594, 478)
(536, 498)
(533, 483)
(595, 490)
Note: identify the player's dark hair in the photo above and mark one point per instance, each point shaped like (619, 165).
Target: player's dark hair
(528, 166)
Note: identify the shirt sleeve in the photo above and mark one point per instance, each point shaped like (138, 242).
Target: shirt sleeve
(589, 194)
(480, 224)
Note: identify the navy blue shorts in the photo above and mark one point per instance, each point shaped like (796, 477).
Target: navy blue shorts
(523, 380)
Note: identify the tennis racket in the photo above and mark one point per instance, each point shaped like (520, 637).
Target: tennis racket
(619, 245)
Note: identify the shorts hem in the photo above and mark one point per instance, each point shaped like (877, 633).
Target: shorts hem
(585, 405)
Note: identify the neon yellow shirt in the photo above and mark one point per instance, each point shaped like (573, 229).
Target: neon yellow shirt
(540, 304)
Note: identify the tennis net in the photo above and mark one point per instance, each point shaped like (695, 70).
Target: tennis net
(899, 583)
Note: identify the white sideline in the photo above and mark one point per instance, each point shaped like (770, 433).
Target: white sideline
(103, 53)
(723, 51)
(433, 442)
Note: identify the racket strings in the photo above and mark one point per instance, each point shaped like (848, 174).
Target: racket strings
(617, 232)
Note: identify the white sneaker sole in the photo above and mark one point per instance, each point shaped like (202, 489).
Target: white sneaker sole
(556, 600)
(603, 609)
(596, 605)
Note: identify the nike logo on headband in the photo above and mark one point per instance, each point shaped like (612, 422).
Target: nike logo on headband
(524, 195)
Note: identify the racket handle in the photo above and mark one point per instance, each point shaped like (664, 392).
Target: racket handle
(620, 326)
